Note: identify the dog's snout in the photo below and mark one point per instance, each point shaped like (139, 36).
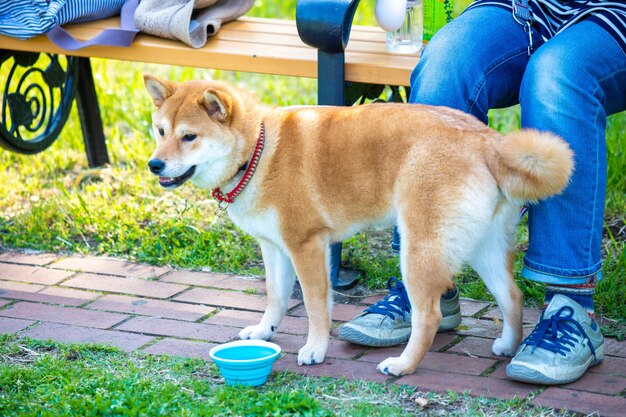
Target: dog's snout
(156, 166)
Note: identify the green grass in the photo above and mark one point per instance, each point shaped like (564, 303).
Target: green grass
(50, 379)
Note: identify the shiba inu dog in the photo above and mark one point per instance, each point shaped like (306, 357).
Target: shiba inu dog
(298, 179)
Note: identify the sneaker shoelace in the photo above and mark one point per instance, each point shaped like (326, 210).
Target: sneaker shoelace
(395, 304)
(557, 333)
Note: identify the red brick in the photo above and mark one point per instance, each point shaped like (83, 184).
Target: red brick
(78, 295)
(19, 286)
(241, 319)
(293, 344)
(341, 368)
(346, 312)
(341, 312)
(611, 365)
(373, 299)
(183, 348)
(294, 325)
(470, 307)
(289, 343)
(614, 347)
(530, 315)
(110, 266)
(475, 346)
(175, 328)
(331, 367)
(38, 293)
(149, 307)
(299, 311)
(437, 361)
(342, 349)
(235, 282)
(28, 258)
(483, 328)
(336, 348)
(8, 325)
(228, 299)
(235, 318)
(442, 340)
(288, 362)
(500, 371)
(476, 385)
(66, 315)
(195, 278)
(376, 355)
(43, 298)
(133, 286)
(76, 334)
(581, 402)
(210, 279)
(598, 383)
(33, 274)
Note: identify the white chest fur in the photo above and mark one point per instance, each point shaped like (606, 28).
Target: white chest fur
(259, 224)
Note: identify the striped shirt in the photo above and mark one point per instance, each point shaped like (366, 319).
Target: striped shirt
(25, 19)
(554, 16)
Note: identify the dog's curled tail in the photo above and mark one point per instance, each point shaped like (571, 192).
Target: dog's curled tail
(530, 165)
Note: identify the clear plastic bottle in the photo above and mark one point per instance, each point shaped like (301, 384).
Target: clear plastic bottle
(409, 37)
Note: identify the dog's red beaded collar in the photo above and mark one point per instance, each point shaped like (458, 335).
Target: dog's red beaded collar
(225, 199)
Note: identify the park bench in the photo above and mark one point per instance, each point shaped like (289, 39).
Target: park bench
(312, 46)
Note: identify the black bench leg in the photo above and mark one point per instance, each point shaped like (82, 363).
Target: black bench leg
(331, 78)
(89, 114)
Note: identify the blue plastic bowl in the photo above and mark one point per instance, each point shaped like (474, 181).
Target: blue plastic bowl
(245, 362)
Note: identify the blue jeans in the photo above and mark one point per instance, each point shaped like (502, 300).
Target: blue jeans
(479, 61)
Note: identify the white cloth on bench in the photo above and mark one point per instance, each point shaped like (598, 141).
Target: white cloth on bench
(187, 20)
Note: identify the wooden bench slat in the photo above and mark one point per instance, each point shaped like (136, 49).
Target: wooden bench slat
(372, 37)
(248, 44)
(356, 44)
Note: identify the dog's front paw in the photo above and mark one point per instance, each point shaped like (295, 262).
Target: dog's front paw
(257, 332)
(503, 347)
(395, 366)
(312, 353)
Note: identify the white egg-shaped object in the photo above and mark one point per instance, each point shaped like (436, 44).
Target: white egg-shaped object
(390, 14)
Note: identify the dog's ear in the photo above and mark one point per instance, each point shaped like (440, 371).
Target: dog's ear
(158, 89)
(217, 103)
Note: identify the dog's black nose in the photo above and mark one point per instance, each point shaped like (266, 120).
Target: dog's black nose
(156, 166)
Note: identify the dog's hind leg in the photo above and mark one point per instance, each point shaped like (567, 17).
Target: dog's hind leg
(311, 263)
(279, 279)
(493, 261)
(426, 277)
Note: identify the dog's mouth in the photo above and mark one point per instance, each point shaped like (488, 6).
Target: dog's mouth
(169, 182)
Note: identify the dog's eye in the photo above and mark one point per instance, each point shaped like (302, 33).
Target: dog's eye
(161, 131)
(189, 137)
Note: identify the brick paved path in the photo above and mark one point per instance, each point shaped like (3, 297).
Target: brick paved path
(163, 311)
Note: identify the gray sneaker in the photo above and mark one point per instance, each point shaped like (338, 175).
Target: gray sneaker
(388, 322)
(565, 342)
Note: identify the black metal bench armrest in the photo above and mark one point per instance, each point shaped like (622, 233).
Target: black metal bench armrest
(325, 24)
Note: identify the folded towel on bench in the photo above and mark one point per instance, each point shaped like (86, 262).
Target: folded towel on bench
(190, 21)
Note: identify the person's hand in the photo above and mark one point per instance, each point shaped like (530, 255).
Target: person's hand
(390, 14)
